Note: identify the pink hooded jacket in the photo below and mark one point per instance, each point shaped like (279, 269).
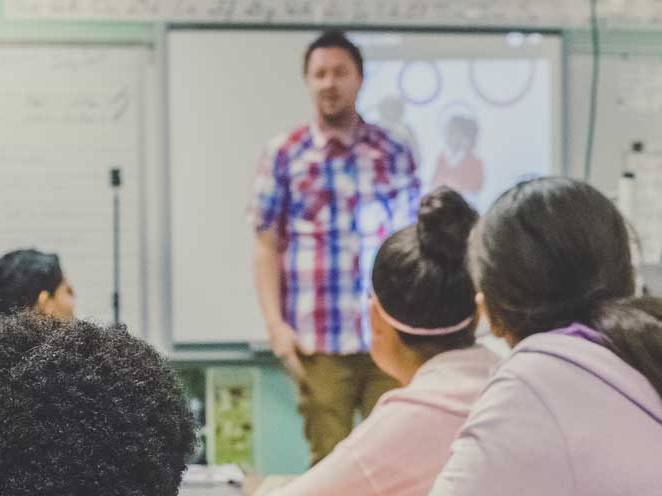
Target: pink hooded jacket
(564, 416)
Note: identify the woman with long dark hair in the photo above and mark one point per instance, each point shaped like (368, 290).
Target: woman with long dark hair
(576, 409)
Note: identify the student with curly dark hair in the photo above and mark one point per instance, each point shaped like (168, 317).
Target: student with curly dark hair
(30, 279)
(87, 411)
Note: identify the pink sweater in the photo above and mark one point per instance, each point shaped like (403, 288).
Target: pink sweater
(401, 447)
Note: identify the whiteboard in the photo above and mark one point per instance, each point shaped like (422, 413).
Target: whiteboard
(68, 114)
(220, 116)
(230, 91)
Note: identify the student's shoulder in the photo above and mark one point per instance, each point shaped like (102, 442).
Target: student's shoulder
(527, 373)
(544, 357)
(394, 414)
(426, 399)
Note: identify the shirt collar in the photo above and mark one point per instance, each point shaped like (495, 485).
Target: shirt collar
(347, 137)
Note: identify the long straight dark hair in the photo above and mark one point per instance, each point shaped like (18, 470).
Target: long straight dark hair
(554, 251)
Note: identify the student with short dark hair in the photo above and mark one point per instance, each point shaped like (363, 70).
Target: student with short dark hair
(30, 279)
(576, 410)
(87, 410)
(423, 320)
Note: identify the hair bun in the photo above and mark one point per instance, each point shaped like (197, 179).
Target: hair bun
(444, 222)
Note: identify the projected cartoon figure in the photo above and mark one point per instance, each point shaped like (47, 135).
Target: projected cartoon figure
(458, 167)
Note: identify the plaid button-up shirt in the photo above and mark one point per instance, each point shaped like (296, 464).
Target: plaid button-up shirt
(332, 202)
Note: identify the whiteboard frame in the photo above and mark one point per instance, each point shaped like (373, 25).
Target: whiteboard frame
(215, 349)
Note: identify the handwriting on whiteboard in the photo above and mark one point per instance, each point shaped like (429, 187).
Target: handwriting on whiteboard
(401, 12)
(69, 114)
(44, 106)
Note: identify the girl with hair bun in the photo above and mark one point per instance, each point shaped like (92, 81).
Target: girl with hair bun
(576, 410)
(423, 316)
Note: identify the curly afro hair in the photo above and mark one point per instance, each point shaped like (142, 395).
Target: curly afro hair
(86, 410)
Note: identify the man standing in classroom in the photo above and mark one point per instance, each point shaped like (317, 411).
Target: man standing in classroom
(325, 197)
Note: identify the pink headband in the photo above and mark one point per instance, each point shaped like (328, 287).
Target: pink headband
(419, 331)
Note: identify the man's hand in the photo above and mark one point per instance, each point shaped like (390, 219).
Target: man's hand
(267, 281)
(284, 345)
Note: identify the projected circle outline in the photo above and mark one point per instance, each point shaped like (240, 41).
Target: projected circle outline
(426, 75)
(483, 91)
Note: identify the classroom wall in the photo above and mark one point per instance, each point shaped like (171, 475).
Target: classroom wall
(631, 64)
(278, 419)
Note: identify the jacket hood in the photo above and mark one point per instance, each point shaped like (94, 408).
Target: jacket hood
(583, 347)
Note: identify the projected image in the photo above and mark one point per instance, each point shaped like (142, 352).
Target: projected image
(457, 165)
(478, 126)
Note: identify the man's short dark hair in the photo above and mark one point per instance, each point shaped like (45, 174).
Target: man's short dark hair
(23, 275)
(334, 38)
(87, 410)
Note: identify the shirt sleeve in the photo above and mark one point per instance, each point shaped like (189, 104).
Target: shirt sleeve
(405, 188)
(386, 455)
(510, 445)
(269, 191)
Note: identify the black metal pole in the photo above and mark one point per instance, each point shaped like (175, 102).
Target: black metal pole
(116, 183)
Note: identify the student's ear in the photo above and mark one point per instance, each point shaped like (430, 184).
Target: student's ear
(43, 302)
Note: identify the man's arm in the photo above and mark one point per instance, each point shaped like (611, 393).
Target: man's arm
(405, 191)
(413, 184)
(267, 273)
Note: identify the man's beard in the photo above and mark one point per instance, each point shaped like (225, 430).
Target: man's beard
(337, 118)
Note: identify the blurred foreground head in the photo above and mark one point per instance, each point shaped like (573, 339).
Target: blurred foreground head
(87, 410)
